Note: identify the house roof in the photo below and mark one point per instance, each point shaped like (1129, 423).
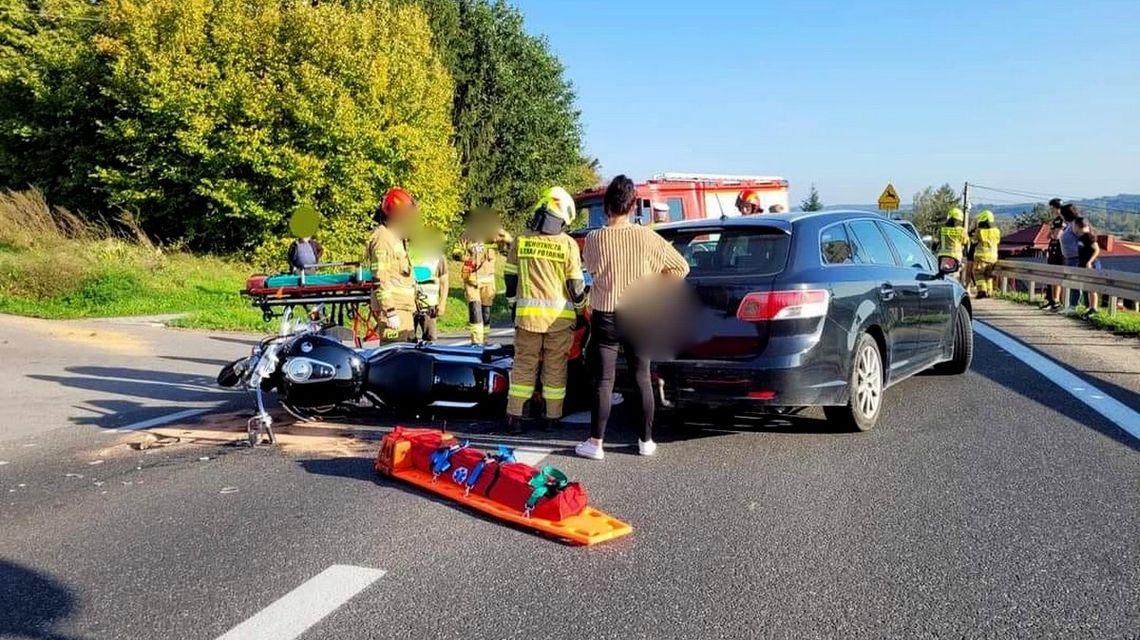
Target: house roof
(1121, 248)
(1037, 236)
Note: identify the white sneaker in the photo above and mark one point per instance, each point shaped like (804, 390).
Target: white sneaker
(616, 399)
(590, 450)
(646, 447)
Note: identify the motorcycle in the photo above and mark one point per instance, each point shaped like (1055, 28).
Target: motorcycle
(316, 376)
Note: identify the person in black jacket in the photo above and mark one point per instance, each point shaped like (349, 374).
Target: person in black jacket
(304, 255)
(1054, 256)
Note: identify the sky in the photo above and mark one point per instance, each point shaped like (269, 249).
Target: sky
(1038, 96)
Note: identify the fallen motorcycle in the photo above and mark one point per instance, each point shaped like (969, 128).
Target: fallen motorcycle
(317, 376)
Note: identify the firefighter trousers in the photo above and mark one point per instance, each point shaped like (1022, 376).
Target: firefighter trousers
(478, 322)
(532, 350)
(405, 332)
(983, 276)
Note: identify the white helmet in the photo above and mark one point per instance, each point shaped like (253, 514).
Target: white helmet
(559, 202)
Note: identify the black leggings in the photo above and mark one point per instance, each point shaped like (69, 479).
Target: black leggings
(605, 339)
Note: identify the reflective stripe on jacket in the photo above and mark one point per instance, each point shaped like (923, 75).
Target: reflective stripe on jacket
(544, 264)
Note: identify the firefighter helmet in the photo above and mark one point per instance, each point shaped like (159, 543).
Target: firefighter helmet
(986, 216)
(748, 199)
(397, 201)
(558, 202)
(955, 214)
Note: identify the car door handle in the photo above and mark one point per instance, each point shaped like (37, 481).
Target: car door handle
(886, 292)
(923, 290)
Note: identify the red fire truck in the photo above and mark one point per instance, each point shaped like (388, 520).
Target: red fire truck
(689, 196)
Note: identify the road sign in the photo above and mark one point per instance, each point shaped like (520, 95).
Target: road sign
(890, 200)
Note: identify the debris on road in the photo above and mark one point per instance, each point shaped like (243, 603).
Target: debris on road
(226, 490)
(73, 475)
(95, 462)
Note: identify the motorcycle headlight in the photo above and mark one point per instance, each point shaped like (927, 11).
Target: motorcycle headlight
(299, 370)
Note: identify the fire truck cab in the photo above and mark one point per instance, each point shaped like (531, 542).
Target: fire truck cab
(689, 196)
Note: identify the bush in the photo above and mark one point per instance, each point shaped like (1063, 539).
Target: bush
(213, 119)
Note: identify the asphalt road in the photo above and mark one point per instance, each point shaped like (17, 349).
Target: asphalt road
(990, 505)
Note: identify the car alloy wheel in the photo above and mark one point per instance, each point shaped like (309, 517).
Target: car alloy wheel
(868, 382)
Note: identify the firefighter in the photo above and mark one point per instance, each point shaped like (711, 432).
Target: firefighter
(394, 287)
(952, 236)
(660, 214)
(480, 254)
(987, 237)
(547, 296)
(427, 259)
(748, 202)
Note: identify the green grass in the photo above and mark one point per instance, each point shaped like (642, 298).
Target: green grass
(74, 278)
(1125, 323)
(54, 264)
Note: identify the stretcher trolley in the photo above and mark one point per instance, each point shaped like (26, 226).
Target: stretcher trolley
(334, 298)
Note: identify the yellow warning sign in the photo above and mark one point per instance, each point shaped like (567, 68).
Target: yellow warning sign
(890, 200)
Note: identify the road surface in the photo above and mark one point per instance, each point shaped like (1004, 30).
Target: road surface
(995, 504)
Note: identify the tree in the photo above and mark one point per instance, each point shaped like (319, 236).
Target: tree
(517, 129)
(214, 119)
(1040, 214)
(930, 208)
(812, 202)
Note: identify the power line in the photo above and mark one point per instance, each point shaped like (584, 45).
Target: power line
(1035, 195)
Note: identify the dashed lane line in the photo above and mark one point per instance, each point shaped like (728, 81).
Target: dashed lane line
(308, 604)
(1099, 401)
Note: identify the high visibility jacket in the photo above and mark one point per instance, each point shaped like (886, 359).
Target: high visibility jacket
(394, 287)
(952, 242)
(437, 267)
(987, 241)
(544, 264)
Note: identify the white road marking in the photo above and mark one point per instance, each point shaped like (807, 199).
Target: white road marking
(1097, 400)
(301, 608)
(161, 420)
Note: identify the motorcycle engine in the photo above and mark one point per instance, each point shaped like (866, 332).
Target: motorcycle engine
(317, 372)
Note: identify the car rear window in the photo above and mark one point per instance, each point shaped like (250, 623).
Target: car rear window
(723, 252)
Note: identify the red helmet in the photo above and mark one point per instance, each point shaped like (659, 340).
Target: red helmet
(396, 201)
(748, 198)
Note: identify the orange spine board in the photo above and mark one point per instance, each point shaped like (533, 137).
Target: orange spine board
(587, 528)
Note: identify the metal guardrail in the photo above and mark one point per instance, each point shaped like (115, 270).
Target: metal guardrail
(1116, 285)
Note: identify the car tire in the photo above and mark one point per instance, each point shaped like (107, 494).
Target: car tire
(963, 354)
(865, 389)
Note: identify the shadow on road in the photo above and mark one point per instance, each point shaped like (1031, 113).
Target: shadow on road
(146, 384)
(1028, 383)
(209, 362)
(31, 603)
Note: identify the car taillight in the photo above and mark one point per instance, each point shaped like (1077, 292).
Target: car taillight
(783, 305)
(499, 383)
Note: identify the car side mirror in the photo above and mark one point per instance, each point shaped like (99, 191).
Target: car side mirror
(948, 265)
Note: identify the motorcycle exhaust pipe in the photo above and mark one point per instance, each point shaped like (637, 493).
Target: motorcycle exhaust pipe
(661, 394)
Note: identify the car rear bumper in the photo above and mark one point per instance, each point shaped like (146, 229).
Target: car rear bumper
(752, 384)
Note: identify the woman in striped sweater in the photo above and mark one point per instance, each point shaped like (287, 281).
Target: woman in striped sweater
(619, 256)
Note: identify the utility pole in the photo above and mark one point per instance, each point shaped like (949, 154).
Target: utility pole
(966, 206)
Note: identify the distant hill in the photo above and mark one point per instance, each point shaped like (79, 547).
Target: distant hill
(1120, 203)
